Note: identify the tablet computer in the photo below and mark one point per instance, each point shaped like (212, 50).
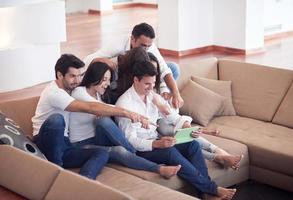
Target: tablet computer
(184, 135)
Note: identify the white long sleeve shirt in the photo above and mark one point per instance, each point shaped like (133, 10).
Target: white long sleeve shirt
(121, 46)
(140, 138)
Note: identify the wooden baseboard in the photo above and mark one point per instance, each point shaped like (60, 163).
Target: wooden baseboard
(99, 12)
(210, 49)
(132, 5)
(278, 35)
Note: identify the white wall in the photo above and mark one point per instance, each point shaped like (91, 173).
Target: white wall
(85, 5)
(30, 42)
(195, 23)
(278, 16)
(229, 23)
(184, 24)
(168, 24)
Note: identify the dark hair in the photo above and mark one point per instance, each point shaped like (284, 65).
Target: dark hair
(125, 66)
(145, 68)
(158, 77)
(94, 76)
(143, 29)
(65, 61)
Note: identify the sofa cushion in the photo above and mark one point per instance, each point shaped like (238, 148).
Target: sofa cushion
(222, 88)
(223, 177)
(138, 188)
(228, 177)
(69, 185)
(257, 90)
(203, 68)
(174, 182)
(200, 103)
(21, 111)
(268, 143)
(11, 134)
(25, 174)
(284, 115)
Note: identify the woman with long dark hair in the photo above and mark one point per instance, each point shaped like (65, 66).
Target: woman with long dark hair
(90, 131)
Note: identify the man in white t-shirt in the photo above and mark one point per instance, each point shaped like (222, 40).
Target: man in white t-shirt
(142, 35)
(50, 123)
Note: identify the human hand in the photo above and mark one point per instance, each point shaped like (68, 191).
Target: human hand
(166, 95)
(177, 101)
(195, 133)
(108, 61)
(164, 142)
(186, 124)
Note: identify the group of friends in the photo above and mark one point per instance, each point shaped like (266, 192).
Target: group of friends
(121, 105)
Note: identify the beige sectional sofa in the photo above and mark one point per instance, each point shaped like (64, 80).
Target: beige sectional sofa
(263, 100)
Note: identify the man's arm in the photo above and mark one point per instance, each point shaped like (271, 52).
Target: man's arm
(102, 109)
(177, 100)
(110, 50)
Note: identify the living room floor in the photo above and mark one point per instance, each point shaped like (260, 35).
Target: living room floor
(88, 32)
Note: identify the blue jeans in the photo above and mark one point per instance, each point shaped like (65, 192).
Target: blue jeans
(109, 134)
(109, 137)
(57, 149)
(193, 167)
(175, 69)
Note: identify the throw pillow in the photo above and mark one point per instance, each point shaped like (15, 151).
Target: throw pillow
(223, 88)
(200, 103)
(11, 134)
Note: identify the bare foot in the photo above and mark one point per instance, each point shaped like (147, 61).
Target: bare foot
(228, 160)
(225, 194)
(168, 171)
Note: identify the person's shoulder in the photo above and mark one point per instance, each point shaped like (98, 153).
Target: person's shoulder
(124, 99)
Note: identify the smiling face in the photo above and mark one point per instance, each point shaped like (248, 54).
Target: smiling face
(145, 85)
(101, 87)
(142, 41)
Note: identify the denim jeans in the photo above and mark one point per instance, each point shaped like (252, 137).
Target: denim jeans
(119, 155)
(109, 134)
(57, 149)
(175, 69)
(193, 167)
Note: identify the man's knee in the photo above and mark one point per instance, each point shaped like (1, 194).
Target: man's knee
(104, 122)
(175, 69)
(56, 119)
(101, 154)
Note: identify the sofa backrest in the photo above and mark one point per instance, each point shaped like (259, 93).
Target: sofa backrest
(284, 115)
(21, 111)
(35, 178)
(257, 90)
(26, 174)
(69, 185)
(204, 68)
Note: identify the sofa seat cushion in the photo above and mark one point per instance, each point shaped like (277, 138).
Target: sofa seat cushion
(268, 143)
(226, 177)
(137, 187)
(223, 177)
(174, 182)
(69, 185)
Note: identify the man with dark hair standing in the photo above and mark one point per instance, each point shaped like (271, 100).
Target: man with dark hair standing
(164, 150)
(142, 35)
(50, 123)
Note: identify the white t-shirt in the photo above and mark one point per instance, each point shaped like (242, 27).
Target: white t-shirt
(120, 46)
(52, 100)
(82, 125)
